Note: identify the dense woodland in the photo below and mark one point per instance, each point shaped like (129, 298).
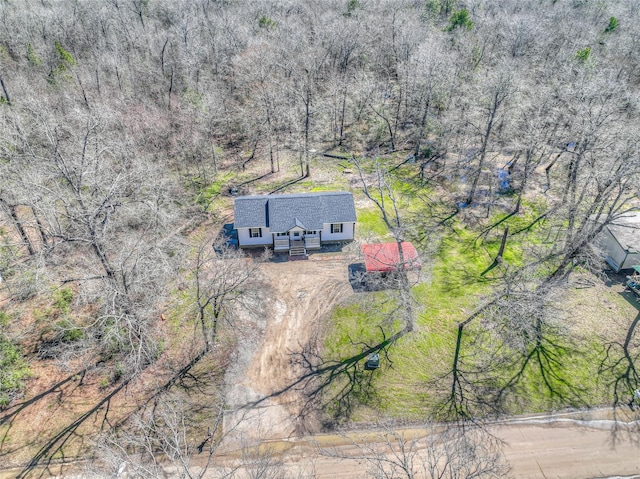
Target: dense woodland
(118, 116)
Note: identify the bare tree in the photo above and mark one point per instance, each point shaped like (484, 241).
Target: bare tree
(158, 442)
(224, 280)
(497, 94)
(383, 196)
(164, 441)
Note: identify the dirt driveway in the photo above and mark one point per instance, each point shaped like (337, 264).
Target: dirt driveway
(544, 447)
(302, 294)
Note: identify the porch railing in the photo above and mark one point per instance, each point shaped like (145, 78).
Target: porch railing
(312, 241)
(281, 244)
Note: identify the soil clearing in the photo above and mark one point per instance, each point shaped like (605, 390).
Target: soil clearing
(301, 295)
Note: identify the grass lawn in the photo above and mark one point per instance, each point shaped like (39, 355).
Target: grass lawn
(415, 374)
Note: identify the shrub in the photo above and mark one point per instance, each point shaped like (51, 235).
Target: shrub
(58, 74)
(32, 56)
(460, 18)
(267, 23)
(69, 332)
(62, 299)
(584, 54)
(13, 370)
(352, 6)
(613, 25)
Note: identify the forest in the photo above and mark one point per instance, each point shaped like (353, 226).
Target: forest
(503, 132)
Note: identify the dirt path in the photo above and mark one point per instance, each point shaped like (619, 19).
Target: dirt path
(566, 450)
(301, 294)
(536, 448)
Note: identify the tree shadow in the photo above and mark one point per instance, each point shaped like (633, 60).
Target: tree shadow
(287, 184)
(632, 298)
(335, 383)
(621, 364)
(489, 369)
(55, 446)
(10, 414)
(53, 451)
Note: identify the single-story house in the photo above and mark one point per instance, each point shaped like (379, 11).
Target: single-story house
(620, 242)
(385, 257)
(296, 222)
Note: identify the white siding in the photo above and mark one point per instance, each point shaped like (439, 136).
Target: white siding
(245, 240)
(346, 235)
(296, 229)
(613, 253)
(611, 249)
(632, 260)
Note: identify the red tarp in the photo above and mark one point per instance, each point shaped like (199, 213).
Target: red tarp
(384, 257)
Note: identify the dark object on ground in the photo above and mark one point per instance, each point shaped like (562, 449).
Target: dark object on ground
(227, 239)
(373, 362)
(633, 280)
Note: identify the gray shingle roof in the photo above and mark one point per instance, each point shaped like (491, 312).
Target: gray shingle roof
(280, 213)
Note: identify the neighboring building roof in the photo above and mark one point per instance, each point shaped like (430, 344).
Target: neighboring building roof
(626, 231)
(384, 257)
(280, 213)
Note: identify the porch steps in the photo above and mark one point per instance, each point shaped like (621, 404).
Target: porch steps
(297, 251)
(296, 248)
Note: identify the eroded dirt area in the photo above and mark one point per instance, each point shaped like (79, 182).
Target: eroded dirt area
(261, 388)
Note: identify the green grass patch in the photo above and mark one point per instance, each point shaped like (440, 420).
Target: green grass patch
(565, 374)
(62, 299)
(361, 323)
(217, 186)
(328, 187)
(524, 224)
(403, 385)
(371, 224)
(311, 186)
(411, 379)
(404, 183)
(211, 195)
(458, 266)
(358, 326)
(13, 368)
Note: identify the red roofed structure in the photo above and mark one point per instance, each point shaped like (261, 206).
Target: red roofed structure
(384, 257)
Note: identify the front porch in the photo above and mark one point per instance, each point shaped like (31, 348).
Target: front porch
(297, 246)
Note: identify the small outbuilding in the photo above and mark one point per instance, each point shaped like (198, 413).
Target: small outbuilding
(620, 242)
(385, 257)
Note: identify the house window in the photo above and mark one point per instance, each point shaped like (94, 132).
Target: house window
(255, 232)
(296, 233)
(282, 234)
(310, 232)
(336, 228)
